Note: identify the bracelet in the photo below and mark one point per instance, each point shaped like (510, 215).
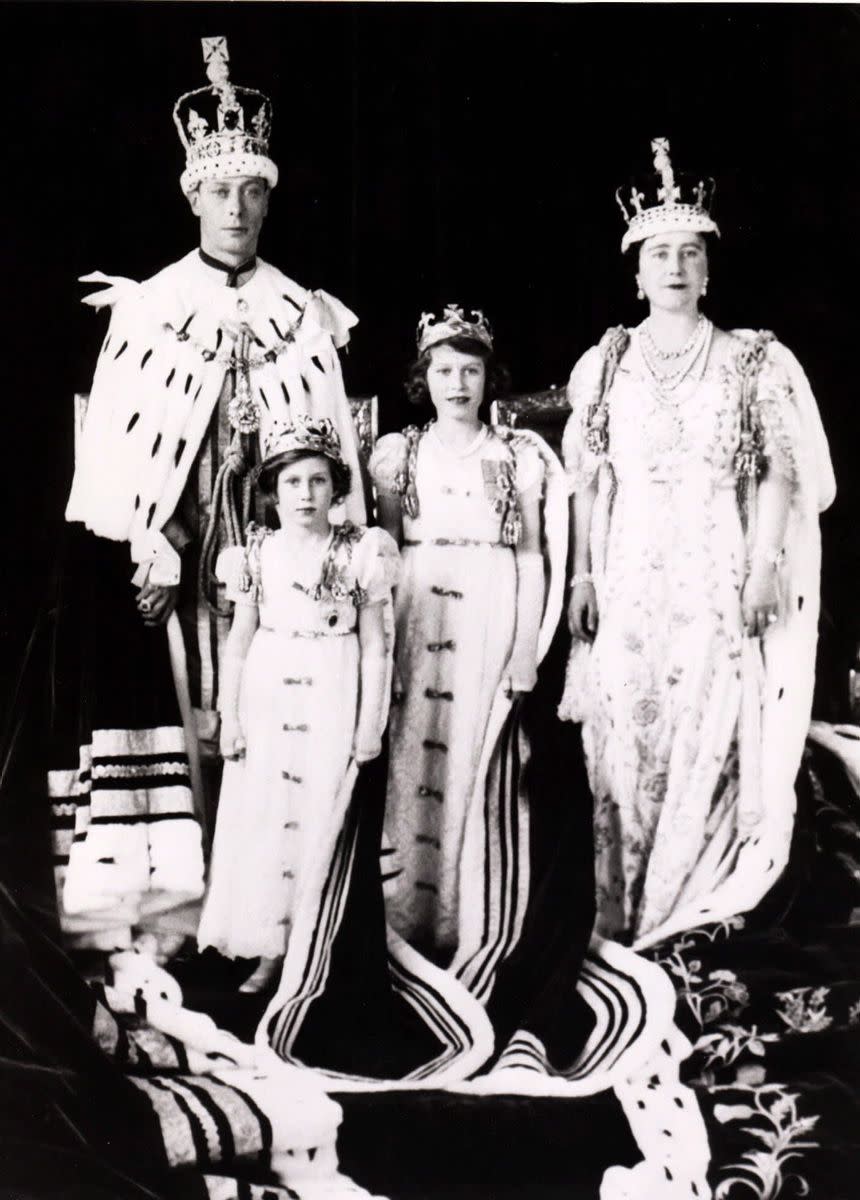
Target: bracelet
(581, 577)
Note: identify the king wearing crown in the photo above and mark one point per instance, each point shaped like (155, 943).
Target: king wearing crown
(199, 362)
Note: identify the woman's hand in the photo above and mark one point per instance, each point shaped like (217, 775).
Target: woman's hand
(155, 602)
(760, 601)
(582, 612)
(364, 751)
(520, 676)
(232, 739)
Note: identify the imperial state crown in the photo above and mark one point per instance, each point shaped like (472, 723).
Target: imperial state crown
(224, 128)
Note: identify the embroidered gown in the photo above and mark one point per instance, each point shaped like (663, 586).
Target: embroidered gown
(671, 692)
(455, 616)
(298, 707)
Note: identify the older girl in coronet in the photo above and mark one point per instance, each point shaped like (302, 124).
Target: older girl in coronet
(464, 501)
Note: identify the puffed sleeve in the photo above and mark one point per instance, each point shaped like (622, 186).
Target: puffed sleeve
(376, 564)
(238, 568)
(387, 464)
(779, 416)
(580, 463)
(530, 469)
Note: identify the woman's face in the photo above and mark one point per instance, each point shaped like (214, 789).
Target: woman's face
(456, 383)
(304, 493)
(673, 270)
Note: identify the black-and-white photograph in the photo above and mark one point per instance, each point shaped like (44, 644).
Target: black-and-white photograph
(430, 761)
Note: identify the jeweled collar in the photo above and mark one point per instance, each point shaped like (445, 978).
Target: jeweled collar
(232, 273)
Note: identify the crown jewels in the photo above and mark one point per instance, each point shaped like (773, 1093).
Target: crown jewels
(223, 128)
(453, 322)
(666, 202)
(304, 433)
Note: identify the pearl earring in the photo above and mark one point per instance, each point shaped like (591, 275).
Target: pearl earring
(705, 288)
(640, 295)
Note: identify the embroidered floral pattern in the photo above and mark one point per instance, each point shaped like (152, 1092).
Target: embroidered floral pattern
(782, 1135)
(804, 1010)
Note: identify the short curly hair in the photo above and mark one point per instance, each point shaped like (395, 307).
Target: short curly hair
(498, 377)
(267, 475)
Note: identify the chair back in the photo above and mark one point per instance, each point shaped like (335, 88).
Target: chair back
(545, 412)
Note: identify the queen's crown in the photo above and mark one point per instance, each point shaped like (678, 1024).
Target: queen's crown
(666, 200)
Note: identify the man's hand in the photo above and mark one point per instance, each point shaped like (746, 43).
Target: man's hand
(155, 603)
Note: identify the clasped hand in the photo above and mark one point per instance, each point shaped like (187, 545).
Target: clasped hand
(156, 602)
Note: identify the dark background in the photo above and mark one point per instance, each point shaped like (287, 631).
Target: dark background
(431, 153)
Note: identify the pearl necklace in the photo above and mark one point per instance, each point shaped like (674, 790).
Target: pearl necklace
(695, 352)
(667, 355)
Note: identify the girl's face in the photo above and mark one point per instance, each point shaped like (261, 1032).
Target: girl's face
(456, 383)
(673, 269)
(304, 493)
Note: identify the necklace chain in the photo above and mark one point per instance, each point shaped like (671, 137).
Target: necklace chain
(669, 355)
(693, 353)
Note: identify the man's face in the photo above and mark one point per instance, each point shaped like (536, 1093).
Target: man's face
(231, 213)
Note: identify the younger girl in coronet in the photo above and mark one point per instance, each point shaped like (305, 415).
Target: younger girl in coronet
(304, 686)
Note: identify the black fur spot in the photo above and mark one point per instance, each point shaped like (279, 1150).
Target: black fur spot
(134, 420)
